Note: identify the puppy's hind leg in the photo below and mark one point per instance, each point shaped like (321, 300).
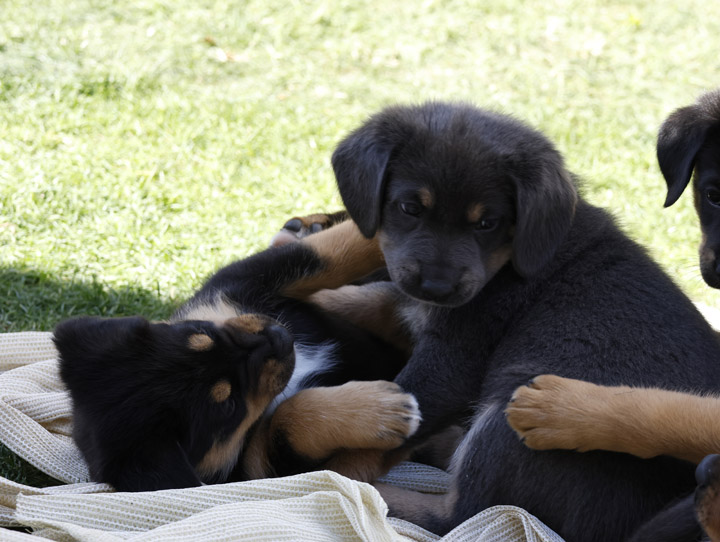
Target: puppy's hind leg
(345, 256)
(429, 511)
(441, 513)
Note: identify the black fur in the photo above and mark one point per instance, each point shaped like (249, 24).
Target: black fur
(542, 283)
(142, 409)
(255, 284)
(676, 523)
(689, 140)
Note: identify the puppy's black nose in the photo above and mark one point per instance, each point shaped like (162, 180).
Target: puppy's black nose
(706, 469)
(436, 289)
(281, 340)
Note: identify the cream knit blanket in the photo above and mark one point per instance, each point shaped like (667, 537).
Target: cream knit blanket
(35, 424)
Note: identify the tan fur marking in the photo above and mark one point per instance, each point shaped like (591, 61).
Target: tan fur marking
(708, 511)
(497, 260)
(347, 256)
(221, 391)
(216, 311)
(223, 455)
(272, 380)
(372, 307)
(200, 342)
(426, 198)
(249, 323)
(475, 212)
(256, 461)
(319, 421)
(557, 412)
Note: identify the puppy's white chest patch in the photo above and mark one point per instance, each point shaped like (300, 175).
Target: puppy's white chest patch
(417, 316)
(309, 359)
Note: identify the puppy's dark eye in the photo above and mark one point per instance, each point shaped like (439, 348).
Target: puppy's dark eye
(713, 197)
(487, 224)
(410, 208)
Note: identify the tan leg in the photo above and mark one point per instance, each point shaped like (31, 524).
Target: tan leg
(372, 307)
(358, 421)
(554, 412)
(369, 415)
(346, 255)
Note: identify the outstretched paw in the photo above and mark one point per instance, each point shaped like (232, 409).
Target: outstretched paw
(387, 415)
(551, 412)
(299, 227)
(318, 422)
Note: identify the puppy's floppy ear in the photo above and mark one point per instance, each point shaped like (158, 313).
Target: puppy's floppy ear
(679, 140)
(360, 163)
(83, 334)
(545, 211)
(85, 340)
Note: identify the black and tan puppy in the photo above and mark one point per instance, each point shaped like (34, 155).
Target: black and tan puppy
(689, 141)
(246, 381)
(554, 412)
(503, 273)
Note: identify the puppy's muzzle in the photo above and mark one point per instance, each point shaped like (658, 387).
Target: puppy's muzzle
(710, 266)
(281, 340)
(438, 283)
(263, 337)
(437, 289)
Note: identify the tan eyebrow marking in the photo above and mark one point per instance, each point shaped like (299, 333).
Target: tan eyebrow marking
(200, 342)
(426, 198)
(474, 212)
(249, 323)
(220, 391)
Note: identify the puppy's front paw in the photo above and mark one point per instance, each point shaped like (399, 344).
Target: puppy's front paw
(550, 412)
(299, 227)
(385, 415)
(318, 422)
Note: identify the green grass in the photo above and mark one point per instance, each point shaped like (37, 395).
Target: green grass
(145, 144)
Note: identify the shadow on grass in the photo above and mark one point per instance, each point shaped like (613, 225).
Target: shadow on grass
(32, 300)
(18, 470)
